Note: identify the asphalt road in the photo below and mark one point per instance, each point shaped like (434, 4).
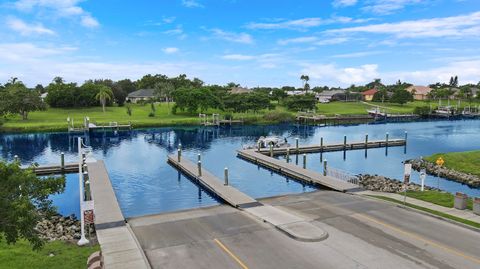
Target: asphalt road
(363, 233)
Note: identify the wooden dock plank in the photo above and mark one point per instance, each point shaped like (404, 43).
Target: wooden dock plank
(296, 172)
(228, 193)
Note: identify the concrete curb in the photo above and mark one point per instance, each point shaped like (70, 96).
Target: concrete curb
(425, 213)
(302, 231)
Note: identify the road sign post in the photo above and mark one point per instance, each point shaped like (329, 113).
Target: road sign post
(406, 179)
(423, 175)
(440, 163)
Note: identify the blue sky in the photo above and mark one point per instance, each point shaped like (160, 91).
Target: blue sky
(254, 43)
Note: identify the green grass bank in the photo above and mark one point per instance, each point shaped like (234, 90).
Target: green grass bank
(55, 119)
(65, 255)
(466, 162)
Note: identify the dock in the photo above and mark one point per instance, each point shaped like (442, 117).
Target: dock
(335, 147)
(216, 121)
(294, 226)
(119, 245)
(54, 169)
(215, 186)
(296, 172)
(88, 126)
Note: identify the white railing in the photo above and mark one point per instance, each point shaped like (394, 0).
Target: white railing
(342, 175)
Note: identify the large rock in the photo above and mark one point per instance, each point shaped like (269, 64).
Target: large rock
(59, 228)
(385, 184)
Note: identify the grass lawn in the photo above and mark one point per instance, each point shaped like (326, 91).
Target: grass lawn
(434, 212)
(21, 255)
(436, 197)
(466, 162)
(55, 119)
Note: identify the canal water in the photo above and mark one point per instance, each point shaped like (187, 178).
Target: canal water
(145, 184)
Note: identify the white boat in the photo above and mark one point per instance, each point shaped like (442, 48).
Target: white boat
(445, 110)
(265, 142)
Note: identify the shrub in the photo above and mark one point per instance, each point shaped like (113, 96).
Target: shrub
(423, 111)
(151, 114)
(301, 102)
(278, 116)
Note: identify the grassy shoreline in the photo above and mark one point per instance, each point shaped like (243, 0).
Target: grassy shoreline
(465, 162)
(55, 119)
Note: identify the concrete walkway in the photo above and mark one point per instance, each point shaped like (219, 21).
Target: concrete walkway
(119, 245)
(464, 214)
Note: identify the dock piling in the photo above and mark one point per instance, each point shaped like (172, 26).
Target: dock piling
(179, 154)
(325, 167)
(366, 140)
(406, 137)
(15, 158)
(62, 161)
(321, 144)
(386, 139)
(199, 168)
(199, 157)
(226, 176)
(271, 150)
(288, 155)
(296, 144)
(304, 161)
(344, 142)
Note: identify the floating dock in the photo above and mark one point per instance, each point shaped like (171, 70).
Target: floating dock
(292, 225)
(228, 193)
(335, 147)
(296, 172)
(54, 169)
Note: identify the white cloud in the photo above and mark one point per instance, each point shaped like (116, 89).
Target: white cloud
(303, 24)
(192, 4)
(389, 6)
(60, 8)
(170, 50)
(28, 29)
(28, 51)
(455, 26)
(303, 39)
(332, 41)
(344, 3)
(232, 37)
(89, 21)
(330, 74)
(238, 57)
(357, 54)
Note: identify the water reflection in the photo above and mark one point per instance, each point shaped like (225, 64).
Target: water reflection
(145, 184)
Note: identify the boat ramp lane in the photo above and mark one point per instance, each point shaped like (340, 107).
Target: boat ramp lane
(297, 172)
(120, 247)
(335, 147)
(294, 226)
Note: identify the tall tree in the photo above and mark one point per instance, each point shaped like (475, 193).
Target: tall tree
(104, 94)
(164, 90)
(17, 99)
(23, 198)
(305, 79)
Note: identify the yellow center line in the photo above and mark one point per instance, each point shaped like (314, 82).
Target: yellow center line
(418, 237)
(222, 246)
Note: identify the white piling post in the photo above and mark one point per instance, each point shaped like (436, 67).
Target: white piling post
(179, 155)
(226, 176)
(83, 240)
(271, 150)
(199, 168)
(16, 159)
(199, 157)
(406, 135)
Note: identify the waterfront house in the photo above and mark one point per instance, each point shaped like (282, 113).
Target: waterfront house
(296, 92)
(239, 90)
(419, 92)
(328, 96)
(141, 95)
(368, 94)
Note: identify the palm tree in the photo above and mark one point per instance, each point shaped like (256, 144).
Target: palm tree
(104, 94)
(305, 79)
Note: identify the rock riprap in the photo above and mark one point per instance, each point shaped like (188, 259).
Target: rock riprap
(58, 227)
(433, 169)
(385, 184)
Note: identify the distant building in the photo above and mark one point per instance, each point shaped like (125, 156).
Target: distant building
(328, 96)
(141, 95)
(239, 90)
(368, 94)
(419, 92)
(292, 93)
(43, 96)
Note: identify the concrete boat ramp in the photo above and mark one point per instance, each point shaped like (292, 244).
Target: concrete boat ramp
(293, 225)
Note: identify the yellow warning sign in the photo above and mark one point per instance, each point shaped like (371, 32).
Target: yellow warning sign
(440, 161)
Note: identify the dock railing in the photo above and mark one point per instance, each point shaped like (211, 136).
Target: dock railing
(342, 175)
